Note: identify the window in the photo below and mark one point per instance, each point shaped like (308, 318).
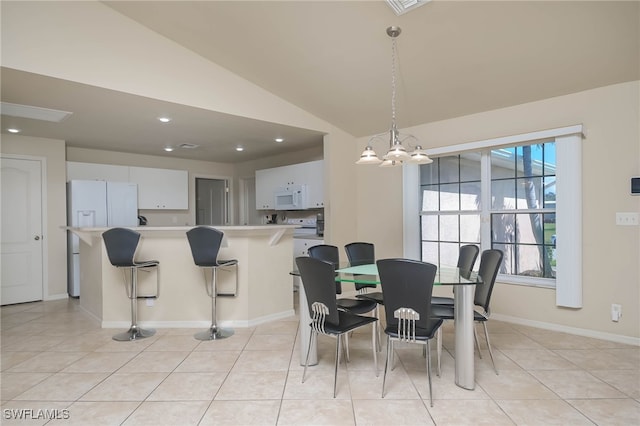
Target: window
(521, 210)
(521, 194)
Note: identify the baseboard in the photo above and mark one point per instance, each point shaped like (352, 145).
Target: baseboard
(58, 296)
(628, 340)
(202, 324)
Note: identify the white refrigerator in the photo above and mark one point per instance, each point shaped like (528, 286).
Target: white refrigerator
(96, 203)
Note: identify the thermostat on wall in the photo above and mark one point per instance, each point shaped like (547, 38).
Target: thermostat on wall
(635, 186)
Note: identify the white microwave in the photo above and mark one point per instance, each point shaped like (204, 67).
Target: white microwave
(292, 197)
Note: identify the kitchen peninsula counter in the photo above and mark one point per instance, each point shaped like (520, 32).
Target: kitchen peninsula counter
(264, 285)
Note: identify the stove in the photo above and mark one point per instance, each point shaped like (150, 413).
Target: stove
(308, 226)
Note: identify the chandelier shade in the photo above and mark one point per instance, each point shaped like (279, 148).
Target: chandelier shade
(398, 152)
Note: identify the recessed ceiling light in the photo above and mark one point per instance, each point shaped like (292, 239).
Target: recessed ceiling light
(188, 146)
(12, 130)
(168, 148)
(239, 148)
(164, 119)
(279, 140)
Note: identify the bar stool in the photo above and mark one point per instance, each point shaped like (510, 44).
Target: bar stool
(205, 244)
(121, 245)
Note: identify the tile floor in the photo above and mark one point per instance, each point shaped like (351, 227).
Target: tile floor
(57, 362)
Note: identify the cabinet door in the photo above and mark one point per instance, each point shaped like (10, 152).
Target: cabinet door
(266, 184)
(94, 171)
(161, 188)
(314, 172)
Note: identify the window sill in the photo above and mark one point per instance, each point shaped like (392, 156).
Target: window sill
(527, 281)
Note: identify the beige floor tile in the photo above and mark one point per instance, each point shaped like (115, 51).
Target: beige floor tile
(208, 361)
(103, 413)
(316, 386)
(289, 328)
(543, 412)
(512, 384)
(538, 359)
(316, 412)
(391, 412)
(173, 343)
(469, 412)
(444, 387)
(242, 413)
(597, 359)
(263, 361)
(609, 412)
(48, 362)
(13, 384)
(9, 359)
(270, 342)
(399, 385)
(116, 346)
(154, 362)
(572, 384)
(155, 413)
(32, 343)
(87, 342)
(252, 385)
(626, 381)
(62, 387)
(188, 387)
(100, 362)
(237, 342)
(509, 341)
(125, 387)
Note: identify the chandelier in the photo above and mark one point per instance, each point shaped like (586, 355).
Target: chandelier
(397, 153)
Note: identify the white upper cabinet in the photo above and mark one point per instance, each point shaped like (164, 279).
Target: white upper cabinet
(311, 174)
(93, 171)
(161, 188)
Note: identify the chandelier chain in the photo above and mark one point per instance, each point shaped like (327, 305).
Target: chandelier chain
(393, 83)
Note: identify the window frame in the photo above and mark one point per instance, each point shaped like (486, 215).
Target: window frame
(568, 206)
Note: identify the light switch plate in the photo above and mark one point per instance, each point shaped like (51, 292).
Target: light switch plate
(627, 219)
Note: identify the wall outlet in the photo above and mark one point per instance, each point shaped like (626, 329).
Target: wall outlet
(616, 312)
(627, 219)
(150, 302)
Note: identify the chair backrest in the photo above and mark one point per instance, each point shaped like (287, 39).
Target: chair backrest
(121, 245)
(490, 262)
(467, 258)
(318, 279)
(406, 283)
(330, 254)
(205, 244)
(360, 253)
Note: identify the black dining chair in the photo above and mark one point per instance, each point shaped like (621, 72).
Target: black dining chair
(466, 260)
(331, 254)
(361, 253)
(318, 279)
(407, 286)
(490, 262)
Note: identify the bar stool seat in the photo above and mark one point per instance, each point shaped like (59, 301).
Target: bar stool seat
(121, 245)
(205, 243)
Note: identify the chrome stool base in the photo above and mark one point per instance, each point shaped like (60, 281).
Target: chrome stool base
(214, 334)
(134, 333)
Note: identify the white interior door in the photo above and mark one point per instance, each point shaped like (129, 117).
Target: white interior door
(22, 247)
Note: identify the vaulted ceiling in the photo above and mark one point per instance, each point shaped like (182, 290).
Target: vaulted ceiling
(333, 59)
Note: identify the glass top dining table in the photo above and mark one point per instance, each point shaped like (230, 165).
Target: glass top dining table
(463, 311)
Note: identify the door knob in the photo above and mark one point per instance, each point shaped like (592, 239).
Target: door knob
(37, 237)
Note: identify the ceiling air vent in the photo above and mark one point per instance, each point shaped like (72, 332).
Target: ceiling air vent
(404, 6)
(188, 146)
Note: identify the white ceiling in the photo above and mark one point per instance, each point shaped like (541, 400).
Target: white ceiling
(333, 58)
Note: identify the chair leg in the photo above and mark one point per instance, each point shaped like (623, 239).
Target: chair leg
(429, 370)
(374, 345)
(335, 373)
(475, 339)
(214, 332)
(345, 348)
(439, 351)
(386, 363)
(134, 332)
(306, 361)
(486, 335)
(379, 339)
